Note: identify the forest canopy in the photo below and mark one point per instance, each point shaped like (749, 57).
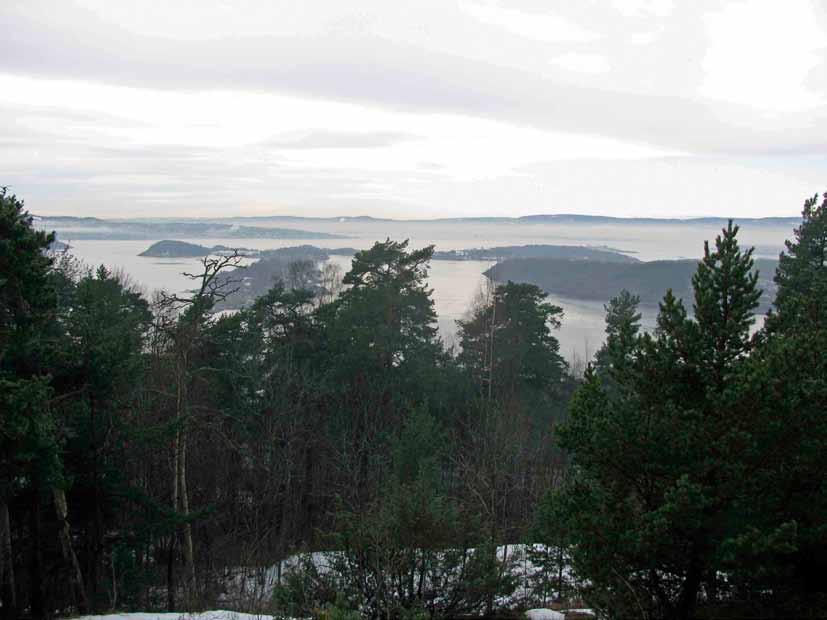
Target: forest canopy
(321, 451)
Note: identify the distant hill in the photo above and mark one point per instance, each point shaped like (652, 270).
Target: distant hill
(601, 281)
(75, 228)
(541, 218)
(566, 252)
(304, 252)
(571, 218)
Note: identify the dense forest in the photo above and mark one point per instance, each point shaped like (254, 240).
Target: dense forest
(321, 452)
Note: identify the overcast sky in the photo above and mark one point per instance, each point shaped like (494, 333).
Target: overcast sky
(426, 108)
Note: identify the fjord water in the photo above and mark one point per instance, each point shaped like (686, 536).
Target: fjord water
(456, 283)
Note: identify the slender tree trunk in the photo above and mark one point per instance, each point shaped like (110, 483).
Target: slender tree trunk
(171, 574)
(560, 572)
(36, 603)
(94, 564)
(8, 589)
(180, 496)
(176, 457)
(189, 554)
(689, 592)
(114, 599)
(65, 535)
(491, 345)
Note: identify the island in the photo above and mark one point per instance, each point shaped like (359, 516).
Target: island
(600, 281)
(170, 248)
(564, 252)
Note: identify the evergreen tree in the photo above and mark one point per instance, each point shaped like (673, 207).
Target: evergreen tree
(379, 346)
(410, 552)
(785, 393)
(508, 346)
(801, 276)
(97, 373)
(29, 459)
(655, 495)
(622, 331)
(385, 319)
(549, 551)
(726, 296)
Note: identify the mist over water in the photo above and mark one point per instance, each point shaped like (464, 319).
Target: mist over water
(455, 283)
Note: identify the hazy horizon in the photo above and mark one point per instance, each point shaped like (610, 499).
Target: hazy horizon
(435, 219)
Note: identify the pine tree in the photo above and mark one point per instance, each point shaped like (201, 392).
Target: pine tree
(785, 394)
(29, 458)
(508, 346)
(726, 296)
(97, 373)
(657, 474)
(801, 277)
(622, 331)
(386, 319)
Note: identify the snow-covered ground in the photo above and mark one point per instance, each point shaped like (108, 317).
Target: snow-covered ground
(544, 614)
(204, 615)
(533, 587)
(246, 585)
(259, 583)
(531, 614)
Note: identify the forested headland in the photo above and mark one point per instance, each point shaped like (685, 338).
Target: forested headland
(320, 452)
(601, 280)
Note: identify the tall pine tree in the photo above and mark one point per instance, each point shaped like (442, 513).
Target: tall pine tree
(655, 490)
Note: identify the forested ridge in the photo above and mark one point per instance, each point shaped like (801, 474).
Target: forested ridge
(158, 455)
(600, 281)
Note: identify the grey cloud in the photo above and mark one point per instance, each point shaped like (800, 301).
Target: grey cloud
(380, 71)
(98, 180)
(327, 139)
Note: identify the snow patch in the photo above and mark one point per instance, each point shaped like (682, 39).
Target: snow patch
(218, 614)
(544, 614)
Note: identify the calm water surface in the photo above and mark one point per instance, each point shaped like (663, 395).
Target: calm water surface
(455, 283)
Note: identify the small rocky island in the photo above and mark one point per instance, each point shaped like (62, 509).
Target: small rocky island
(181, 249)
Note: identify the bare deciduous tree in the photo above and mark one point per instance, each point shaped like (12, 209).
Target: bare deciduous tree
(182, 320)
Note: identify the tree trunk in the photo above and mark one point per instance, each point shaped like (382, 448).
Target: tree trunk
(179, 494)
(171, 574)
(189, 554)
(560, 572)
(65, 535)
(689, 592)
(97, 545)
(114, 598)
(176, 457)
(36, 603)
(491, 343)
(8, 589)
